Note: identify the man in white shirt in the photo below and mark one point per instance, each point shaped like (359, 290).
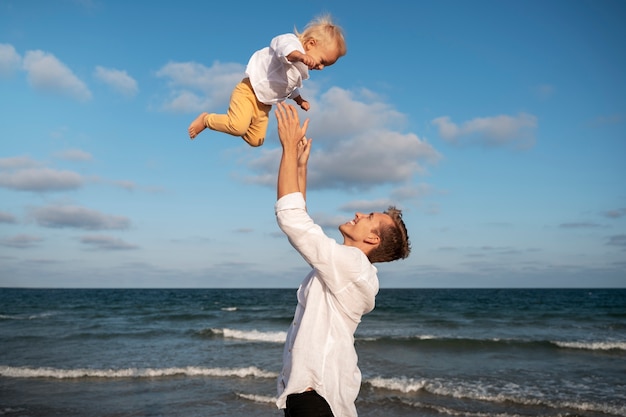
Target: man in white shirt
(320, 376)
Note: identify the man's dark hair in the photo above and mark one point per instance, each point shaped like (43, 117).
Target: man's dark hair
(394, 239)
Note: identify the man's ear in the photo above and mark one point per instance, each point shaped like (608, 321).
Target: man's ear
(372, 239)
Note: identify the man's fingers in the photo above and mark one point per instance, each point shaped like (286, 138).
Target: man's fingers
(287, 117)
(286, 111)
(291, 111)
(280, 110)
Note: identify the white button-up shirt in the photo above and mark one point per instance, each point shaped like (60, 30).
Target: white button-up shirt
(319, 352)
(272, 76)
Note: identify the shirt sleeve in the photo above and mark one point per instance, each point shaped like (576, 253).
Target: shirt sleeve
(295, 93)
(339, 266)
(283, 45)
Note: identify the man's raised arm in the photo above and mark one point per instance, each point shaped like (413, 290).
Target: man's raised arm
(295, 147)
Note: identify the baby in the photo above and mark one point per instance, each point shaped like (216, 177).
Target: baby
(274, 74)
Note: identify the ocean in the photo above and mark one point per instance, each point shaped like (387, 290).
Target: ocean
(217, 352)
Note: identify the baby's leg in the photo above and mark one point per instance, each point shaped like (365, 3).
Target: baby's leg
(255, 136)
(239, 115)
(198, 125)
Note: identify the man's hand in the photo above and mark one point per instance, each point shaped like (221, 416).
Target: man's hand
(289, 130)
(304, 149)
(296, 149)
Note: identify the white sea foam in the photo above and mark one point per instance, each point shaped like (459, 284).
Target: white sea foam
(10, 410)
(264, 399)
(452, 412)
(618, 410)
(26, 372)
(597, 345)
(507, 393)
(592, 345)
(401, 338)
(398, 384)
(252, 335)
(229, 309)
(25, 316)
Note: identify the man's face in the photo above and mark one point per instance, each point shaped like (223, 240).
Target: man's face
(363, 225)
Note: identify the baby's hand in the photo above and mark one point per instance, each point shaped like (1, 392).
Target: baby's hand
(305, 105)
(297, 56)
(308, 61)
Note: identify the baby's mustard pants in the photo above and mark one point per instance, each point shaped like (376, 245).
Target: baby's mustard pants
(246, 117)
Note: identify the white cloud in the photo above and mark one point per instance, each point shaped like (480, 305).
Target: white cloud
(339, 113)
(365, 206)
(7, 217)
(413, 191)
(40, 180)
(20, 241)
(617, 240)
(612, 119)
(327, 221)
(356, 145)
(46, 73)
(194, 87)
(615, 214)
(78, 217)
(17, 162)
(580, 225)
(185, 101)
(106, 243)
(501, 130)
(74, 155)
(120, 81)
(10, 60)
(125, 184)
(376, 158)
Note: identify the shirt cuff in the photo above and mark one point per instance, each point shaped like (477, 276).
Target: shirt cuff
(290, 201)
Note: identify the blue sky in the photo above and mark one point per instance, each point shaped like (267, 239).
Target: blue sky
(499, 127)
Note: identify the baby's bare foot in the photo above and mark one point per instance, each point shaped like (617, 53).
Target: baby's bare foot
(197, 126)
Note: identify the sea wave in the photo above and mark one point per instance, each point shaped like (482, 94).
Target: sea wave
(250, 335)
(103, 334)
(11, 410)
(465, 342)
(26, 316)
(497, 395)
(592, 345)
(404, 385)
(442, 410)
(194, 371)
(264, 399)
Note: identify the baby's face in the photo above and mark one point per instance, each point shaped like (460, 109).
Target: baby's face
(325, 54)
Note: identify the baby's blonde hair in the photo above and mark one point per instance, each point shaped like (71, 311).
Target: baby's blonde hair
(324, 30)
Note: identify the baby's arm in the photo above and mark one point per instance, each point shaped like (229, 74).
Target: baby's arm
(302, 103)
(297, 56)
